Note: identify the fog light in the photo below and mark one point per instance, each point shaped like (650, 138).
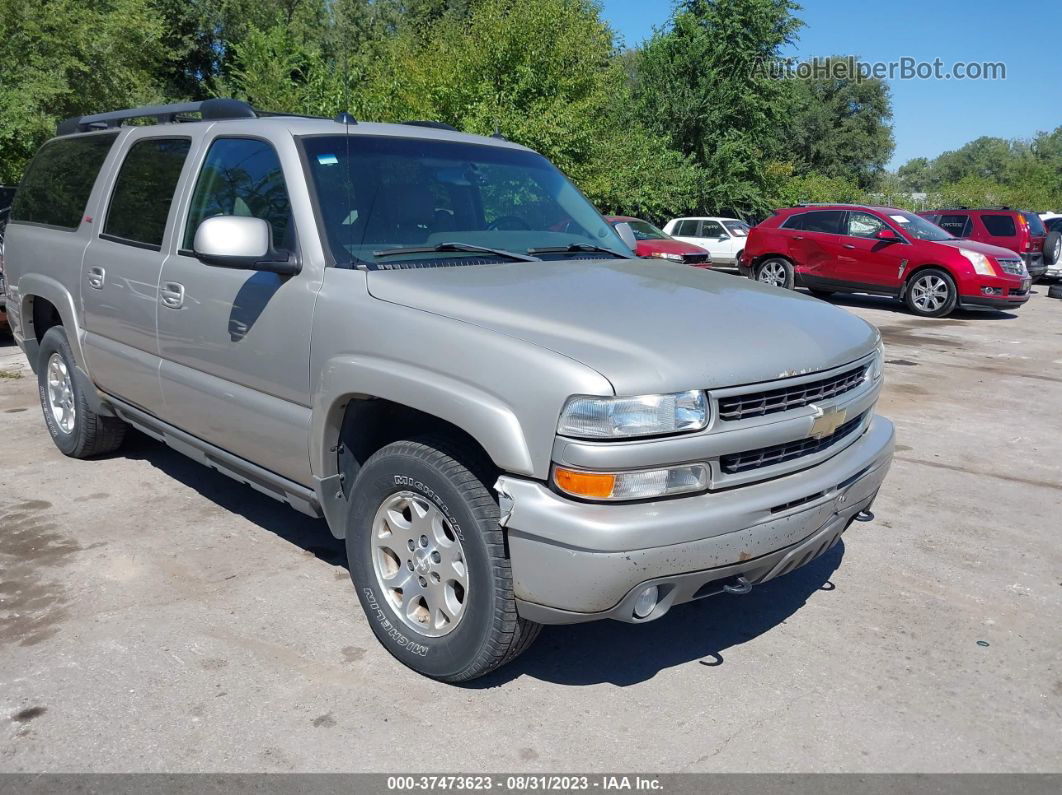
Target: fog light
(646, 601)
(992, 290)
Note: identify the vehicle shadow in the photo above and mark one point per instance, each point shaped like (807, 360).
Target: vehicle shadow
(581, 654)
(284, 521)
(623, 654)
(892, 305)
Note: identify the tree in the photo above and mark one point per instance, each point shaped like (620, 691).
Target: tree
(702, 84)
(839, 122)
(64, 58)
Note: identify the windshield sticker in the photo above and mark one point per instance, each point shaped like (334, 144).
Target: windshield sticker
(328, 160)
(900, 219)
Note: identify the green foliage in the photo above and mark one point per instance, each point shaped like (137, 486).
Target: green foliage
(838, 124)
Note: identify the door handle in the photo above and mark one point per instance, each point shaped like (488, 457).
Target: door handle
(848, 245)
(96, 277)
(172, 295)
(798, 237)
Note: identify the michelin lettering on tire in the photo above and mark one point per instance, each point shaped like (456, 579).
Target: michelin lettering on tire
(427, 491)
(392, 631)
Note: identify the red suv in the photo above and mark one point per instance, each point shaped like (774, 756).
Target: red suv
(882, 250)
(1016, 230)
(653, 242)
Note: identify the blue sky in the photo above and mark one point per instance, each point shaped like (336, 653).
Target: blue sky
(929, 116)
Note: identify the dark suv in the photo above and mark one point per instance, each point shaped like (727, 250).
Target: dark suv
(1017, 230)
(882, 250)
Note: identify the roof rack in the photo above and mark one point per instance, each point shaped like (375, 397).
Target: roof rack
(831, 204)
(208, 109)
(435, 125)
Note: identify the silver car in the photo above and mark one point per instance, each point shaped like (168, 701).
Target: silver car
(434, 341)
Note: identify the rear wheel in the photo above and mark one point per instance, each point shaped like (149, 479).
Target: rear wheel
(76, 429)
(776, 271)
(428, 559)
(931, 293)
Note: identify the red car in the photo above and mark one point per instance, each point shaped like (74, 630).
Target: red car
(654, 243)
(885, 251)
(1019, 231)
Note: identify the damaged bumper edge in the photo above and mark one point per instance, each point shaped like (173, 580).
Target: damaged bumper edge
(574, 561)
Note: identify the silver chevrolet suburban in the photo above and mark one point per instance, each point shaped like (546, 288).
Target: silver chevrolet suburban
(434, 341)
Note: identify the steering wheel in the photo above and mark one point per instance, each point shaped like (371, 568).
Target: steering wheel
(516, 221)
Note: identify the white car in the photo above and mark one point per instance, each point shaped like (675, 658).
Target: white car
(723, 237)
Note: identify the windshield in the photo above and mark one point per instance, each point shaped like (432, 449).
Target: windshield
(380, 193)
(918, 227)
(643, 230)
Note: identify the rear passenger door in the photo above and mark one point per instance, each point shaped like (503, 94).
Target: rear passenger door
(816, 245)
(687, 230)
(120, 270)
(235, 344)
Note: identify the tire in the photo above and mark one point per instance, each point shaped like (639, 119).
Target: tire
(76, 429)
(931, 293)
(821, 294)
(1054, 291)
(450, 630)
(777, 272)
(1053, 247)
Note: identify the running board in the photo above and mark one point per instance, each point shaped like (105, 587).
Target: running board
(299, 497)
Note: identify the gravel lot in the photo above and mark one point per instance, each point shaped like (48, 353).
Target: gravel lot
(155, 616)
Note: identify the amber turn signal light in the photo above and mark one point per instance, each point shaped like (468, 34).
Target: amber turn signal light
(584, 484)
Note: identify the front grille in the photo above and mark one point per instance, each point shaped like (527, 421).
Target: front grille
(771, 401)
(1014, 266)
(780, 453)
(695, 259)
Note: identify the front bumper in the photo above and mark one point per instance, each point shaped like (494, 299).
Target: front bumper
(982, 301)
(574, 561)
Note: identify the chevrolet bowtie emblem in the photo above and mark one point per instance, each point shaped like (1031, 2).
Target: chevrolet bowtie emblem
(827, 422)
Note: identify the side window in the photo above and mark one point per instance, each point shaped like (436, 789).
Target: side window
(58, 182)
(999, 225)
(794, 221)
(864, 224)
(712, 229)
(686, 228)
(828, 221)
(955, 224)
(143, 192)
(242, 176)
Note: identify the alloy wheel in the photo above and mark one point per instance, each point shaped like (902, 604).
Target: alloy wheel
(773, 273)
(61, 394)
(930, 292)
(419, 564)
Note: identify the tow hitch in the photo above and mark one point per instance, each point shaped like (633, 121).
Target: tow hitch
(740, 586)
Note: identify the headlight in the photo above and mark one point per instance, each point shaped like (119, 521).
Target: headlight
(642, 484)
(979, 261)
(877, 364)
(641, 415)
(672, 257)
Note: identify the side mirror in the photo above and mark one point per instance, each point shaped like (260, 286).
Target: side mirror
(626, 234)
(887, 234)
(236, 241)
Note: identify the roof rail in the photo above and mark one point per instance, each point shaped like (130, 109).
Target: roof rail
(208, 109)
(435, 125)
(831, 204)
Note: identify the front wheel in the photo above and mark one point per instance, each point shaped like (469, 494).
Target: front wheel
(428, 560)
(932, 293)
(776, 272)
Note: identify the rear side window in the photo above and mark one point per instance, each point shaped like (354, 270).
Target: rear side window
(1036, 226)
(686, 228)
(828, 221)
(999, 225)
(58, 182)
(242, 176)
(955, 224)
(144, 191)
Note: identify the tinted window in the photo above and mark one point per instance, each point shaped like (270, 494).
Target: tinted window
(712, 229)
(58, 182)
(1036, 226)
(957, 224)
(828, 221)
(144, 190)
(999, 225)
(864, 224)
(687, 228)
(242, 176)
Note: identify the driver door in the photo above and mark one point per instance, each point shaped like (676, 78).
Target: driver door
(235, 344)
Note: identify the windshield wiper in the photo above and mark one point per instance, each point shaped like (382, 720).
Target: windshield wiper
(462, 247)
(574, 248)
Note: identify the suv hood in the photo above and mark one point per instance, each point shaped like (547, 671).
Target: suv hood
(981, 248)
(645, 326)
